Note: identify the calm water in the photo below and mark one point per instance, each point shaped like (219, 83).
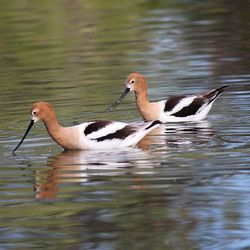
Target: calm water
(185, 186)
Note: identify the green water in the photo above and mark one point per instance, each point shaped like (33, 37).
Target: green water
(184, 187)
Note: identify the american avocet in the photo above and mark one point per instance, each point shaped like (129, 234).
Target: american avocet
(88, 135)
(179, 108)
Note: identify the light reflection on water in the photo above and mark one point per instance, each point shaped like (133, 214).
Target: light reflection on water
(185, 186)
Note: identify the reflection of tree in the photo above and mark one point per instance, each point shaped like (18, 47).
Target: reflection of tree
(79, 51)
(222, 29)
(62, 44)
(119, 202)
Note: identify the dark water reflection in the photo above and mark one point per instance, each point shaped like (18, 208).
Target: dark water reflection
(185, 186)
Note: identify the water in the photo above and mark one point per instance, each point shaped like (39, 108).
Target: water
(185, 186)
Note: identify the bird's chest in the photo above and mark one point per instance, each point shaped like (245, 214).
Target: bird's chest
(149, 112)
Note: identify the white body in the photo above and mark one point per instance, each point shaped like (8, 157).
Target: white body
(90, 141)
(200, 115)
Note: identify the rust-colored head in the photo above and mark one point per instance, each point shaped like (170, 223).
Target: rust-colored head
(136, 82)
(41, 111)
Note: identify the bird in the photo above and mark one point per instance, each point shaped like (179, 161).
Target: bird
(100, 134)
(177, 108)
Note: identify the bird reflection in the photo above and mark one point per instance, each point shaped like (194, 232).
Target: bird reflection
(194, 133)
(87, 166)
(83, 166)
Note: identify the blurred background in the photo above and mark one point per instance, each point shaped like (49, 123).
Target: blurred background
(186, 186)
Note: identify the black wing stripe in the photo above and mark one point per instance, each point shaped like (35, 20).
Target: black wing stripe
(172, 101)
(191, 109)
(119, 134)
(95, 126)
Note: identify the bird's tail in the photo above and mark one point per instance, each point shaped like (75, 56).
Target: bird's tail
(134, 138)
(212, 95)
(153, 125)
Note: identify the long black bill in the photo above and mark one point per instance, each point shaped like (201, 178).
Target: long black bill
(27, 131)
(119, 100)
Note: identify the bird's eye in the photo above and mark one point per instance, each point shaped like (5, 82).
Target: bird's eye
(34, 113)
(132, 81)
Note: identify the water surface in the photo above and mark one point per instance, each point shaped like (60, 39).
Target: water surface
(186, 186)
